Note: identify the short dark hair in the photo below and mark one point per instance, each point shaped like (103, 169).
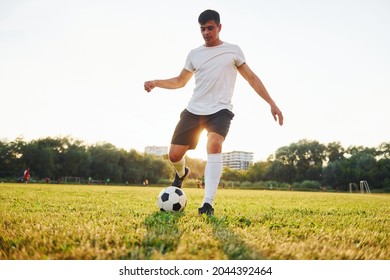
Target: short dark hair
(209, 15)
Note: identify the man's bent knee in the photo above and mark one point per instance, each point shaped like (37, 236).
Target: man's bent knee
(214, 143)
(177, 152)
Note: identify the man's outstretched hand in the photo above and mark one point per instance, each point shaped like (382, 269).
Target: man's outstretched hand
(149, 85)
(277, 114)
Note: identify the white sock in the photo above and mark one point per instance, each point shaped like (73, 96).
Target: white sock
(213, 173)
(179, 167)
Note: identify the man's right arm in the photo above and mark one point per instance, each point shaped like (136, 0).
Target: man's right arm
(173, 83)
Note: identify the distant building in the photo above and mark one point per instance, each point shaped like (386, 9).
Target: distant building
(156, 150)
(237, 160)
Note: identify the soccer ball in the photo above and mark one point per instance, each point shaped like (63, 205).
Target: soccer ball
(171, 199)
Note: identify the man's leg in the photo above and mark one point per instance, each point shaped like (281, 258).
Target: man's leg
(214, 166)
(177, 158)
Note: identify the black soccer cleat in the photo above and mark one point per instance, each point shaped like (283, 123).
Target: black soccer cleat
(206, 209)
(179, 181)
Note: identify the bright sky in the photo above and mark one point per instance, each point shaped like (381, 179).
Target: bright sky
(77, 67)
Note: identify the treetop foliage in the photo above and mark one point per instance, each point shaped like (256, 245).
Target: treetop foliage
(330, 164)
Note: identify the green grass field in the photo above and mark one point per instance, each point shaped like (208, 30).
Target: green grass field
(40, 221)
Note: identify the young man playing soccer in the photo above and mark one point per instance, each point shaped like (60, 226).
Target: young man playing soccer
(215, 66)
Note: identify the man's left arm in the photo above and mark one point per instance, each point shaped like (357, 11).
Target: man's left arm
(260, 89)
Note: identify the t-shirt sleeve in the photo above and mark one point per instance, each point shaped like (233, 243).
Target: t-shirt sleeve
(240, 57)
(188, 64)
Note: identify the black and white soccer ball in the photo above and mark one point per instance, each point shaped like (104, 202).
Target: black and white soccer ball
(172, 199)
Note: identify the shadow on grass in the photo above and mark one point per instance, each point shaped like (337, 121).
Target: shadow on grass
(163, 233)
(232, 245)
(163, 236)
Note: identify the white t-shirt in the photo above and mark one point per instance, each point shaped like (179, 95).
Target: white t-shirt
(215, 70)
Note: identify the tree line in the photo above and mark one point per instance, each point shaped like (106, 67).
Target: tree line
(321, 165)
(330, 165)
(60, 157)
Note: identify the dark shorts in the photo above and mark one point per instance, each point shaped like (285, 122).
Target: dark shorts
(190, 126)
